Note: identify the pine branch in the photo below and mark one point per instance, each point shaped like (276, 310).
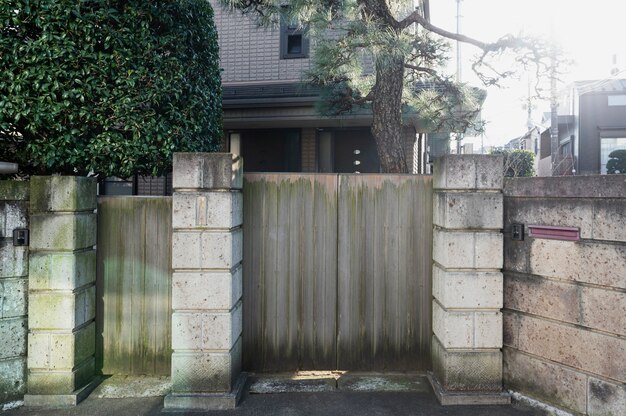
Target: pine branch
(429, 71)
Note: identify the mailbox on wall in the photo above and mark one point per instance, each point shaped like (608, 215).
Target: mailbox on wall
(554, 233)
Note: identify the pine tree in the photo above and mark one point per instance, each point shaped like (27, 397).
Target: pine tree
(385, 55)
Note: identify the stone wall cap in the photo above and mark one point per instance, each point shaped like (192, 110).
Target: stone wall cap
(469, 172)
(596, 186)
(207, 171)
(62, 193)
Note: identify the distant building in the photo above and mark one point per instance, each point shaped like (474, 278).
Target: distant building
(591, 124)
(531, 140)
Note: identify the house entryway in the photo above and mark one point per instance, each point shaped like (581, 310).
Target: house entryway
(337, 272)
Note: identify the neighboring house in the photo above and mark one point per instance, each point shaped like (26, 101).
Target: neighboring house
(531, 140)
(591, 124)
(269, 114)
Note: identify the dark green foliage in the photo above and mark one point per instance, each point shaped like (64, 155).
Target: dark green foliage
(616, 162)
(107, 87)
(517, 162)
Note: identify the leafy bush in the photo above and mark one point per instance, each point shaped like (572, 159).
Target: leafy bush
(107, 87)
(617, 161)
(517, 162)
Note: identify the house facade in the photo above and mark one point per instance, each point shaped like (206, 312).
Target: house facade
(269, 113)
(591, 124)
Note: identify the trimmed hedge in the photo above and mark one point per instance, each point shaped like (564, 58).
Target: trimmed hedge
(107, 87)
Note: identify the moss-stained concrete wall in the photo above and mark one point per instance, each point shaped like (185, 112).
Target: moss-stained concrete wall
(61, 294)
(13, 290)
(565, 301)
(207, 250)
(467, 282)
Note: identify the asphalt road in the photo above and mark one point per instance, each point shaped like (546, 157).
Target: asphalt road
(292, 404)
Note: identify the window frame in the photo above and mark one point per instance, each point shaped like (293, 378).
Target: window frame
(293, 29)
(617, 145)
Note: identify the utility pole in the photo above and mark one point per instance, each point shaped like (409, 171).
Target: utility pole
(459, 136)
(554, 122)
(458, 44)
(529, 109)
(554, 105)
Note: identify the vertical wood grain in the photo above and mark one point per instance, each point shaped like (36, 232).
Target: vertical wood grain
(337, 272)
(134, 285)
(290, 257)
(385, 239)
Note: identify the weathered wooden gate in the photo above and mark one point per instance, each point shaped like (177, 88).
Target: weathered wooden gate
(134, 285)
(337, 272)
(336, 275)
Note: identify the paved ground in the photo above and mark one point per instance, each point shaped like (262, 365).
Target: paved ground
(292, 404)
(302, 395)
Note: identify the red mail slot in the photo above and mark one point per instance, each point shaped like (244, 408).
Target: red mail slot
(554, 233)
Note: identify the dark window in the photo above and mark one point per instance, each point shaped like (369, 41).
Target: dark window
(137, 185)
(293, 41)
(117, 186)
(271, 150)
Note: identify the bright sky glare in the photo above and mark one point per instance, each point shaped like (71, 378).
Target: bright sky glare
(590, 32)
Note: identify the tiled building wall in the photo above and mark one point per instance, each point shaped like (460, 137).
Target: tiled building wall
(565, 301)
(250, 53)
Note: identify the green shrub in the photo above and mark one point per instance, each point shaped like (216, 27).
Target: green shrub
(517, 162)
(107, 87)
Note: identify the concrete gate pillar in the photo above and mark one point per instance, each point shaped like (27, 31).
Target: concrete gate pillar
(467, 280)
(61, 290)
(207, 249)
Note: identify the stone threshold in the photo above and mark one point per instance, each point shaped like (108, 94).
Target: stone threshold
(329, 381)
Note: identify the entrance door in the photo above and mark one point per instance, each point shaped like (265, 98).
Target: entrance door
(355, 151)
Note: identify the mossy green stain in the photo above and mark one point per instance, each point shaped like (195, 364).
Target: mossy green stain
(348, 203)
(134, 274)
(14, 190)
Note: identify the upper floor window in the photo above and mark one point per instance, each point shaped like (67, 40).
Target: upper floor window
(607, 146)
(293, 42)
(616, 100)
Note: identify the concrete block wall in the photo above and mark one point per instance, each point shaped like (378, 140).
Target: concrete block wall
(207, 250)
(61, 293)
(565, 301)
(467, 280)
(14, 197)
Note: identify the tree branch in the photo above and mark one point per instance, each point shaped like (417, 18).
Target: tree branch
(380, 11)
(429, 71)
(416, 17)
(363, 100)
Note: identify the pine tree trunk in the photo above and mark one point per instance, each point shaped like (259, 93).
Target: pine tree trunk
(387, 115)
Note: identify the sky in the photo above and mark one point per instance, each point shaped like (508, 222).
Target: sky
(590, 35)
